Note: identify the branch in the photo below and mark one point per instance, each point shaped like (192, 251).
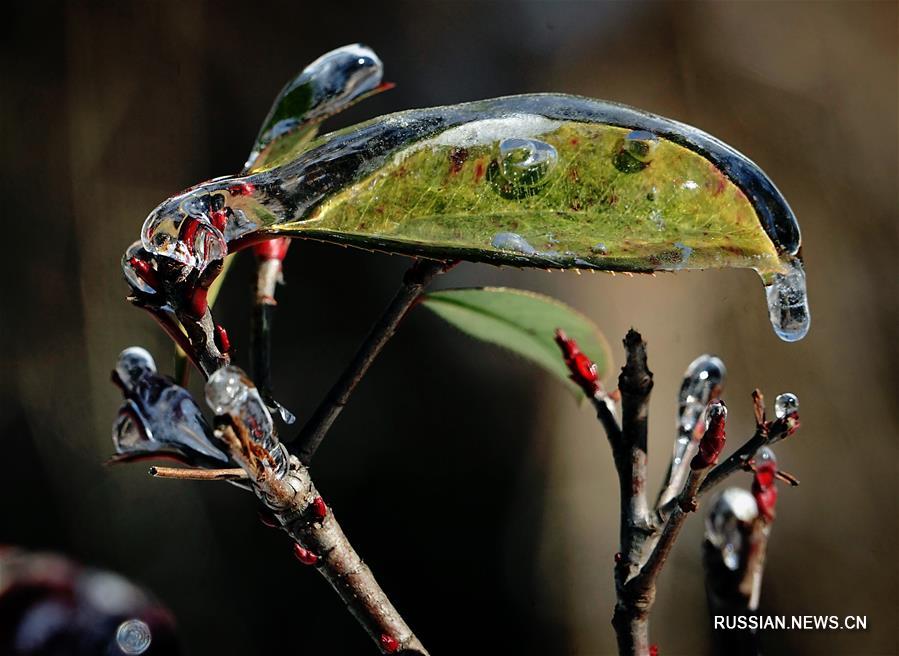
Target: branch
(186, 474)
(414, 282)
(321, 543)
(765, 433)
(635, 384)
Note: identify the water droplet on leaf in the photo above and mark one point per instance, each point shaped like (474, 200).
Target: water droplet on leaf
(523, 167)
(510, 241)
(636, 151)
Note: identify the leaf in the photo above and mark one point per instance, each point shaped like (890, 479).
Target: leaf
(522, 322)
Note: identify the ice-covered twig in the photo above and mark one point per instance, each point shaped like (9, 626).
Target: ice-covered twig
(284, 485)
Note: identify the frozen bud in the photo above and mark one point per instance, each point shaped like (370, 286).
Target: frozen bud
(702, 382)
(729, 524)
(764, 487)
(712, 442)
(138, 268)
(134, 363)
(786, 405)
(230, 392)
(227, 390)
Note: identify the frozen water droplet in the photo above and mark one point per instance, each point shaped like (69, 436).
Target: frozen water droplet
(765, 455)
(715, 410)
(226, 392)
(786, 404)
(510, 241)
(599, 249)
(133, 364)
(229, 391)
(788, 302)
(636, 151)
(729, 524)
(703, 378)
(523, 167)
(133, 637)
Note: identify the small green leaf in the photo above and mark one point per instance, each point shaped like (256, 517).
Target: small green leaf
(522, 322)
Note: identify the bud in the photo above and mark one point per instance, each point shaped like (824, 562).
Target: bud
(712, 442)
(764, 487)
(583, 370)
(389, 644)
(304, 555)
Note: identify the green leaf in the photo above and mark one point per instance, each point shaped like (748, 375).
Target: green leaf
(522, 322)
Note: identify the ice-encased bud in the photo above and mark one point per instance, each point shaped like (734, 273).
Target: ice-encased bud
(134, 363)
(133, 637)
(703, 379)
(729, 524)
(230, 392)
(181, 229)
(765, 456)
(716, 410)
(136, 254)
(227, 390)
(788, 302)
(786, 404)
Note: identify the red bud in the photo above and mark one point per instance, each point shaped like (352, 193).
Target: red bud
(221, 339)
(653, 650)
(242, 189)
(219, 219)
(389, 644)
(319, 508)
(272, 249)
(583, 370)
(764, 488)
(145, 272)
(304, 555)
(712, 442)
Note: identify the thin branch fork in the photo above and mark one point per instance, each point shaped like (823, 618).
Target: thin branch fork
(320, 542)
(415, 281)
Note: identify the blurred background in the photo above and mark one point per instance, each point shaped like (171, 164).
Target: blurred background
(482, 496)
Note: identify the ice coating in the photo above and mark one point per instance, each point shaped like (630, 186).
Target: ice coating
(443, 183)
(230, 392)
(729, 524)
(158, 416)
(788, 302)
(327, 85)
(786, 404)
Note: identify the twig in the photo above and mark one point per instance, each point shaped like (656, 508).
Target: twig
(414, 282)
(190, 474)
(320, 542)
(635, 384)
(269, 273)
(765, 433)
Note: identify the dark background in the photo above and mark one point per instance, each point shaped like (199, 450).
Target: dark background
(481, 495)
